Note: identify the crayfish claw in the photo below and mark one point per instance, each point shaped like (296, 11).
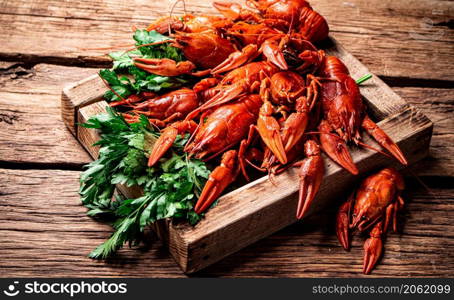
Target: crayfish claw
(273, 53)
(164, 142)
(311, 176)
(164, 66)
(219, 179)
(225, 95)
(237, 59)
(269, 131)
(166, 139)
(228, 10)
(342, 224)
(383, 139)
(373, 248)
(336, 148)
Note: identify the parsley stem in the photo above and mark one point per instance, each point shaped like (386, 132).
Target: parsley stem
(363, 79)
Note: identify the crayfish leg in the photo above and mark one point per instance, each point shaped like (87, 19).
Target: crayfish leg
(391, 213)
(242, 151)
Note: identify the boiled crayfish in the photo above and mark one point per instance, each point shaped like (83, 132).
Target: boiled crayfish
(266, 97)
(373, 207)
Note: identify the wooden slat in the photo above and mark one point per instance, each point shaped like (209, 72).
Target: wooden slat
(438, 106)
(45, 233)
(32, 130)
(393, 38)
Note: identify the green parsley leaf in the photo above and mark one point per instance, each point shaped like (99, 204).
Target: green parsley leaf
(169, 189)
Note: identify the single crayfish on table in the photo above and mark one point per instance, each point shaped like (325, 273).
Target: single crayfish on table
(262, 95)
(372, 208)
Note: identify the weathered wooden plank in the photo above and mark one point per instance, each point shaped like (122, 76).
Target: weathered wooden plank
(45, 233)
(438, 105)
(59, 31)
(31, 127)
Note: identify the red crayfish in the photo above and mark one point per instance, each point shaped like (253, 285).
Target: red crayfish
(372, 208)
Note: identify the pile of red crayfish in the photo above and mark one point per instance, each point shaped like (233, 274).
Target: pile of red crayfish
(267, 98)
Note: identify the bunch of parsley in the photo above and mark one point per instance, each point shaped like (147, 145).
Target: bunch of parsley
(126, 79)
(169, 189)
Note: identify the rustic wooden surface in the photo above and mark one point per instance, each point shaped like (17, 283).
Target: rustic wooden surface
(44, 232)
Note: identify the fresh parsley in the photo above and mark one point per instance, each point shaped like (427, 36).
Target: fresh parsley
(170, 189)
(126, 79)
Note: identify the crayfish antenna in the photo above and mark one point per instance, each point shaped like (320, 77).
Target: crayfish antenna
(311, 175)
(373, 248)
(383, 139)
(219, 179)
(336, 149)
(342, 223)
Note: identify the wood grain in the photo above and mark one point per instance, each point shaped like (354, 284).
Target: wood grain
(68, 32)
(438, 106)
(45, 233)
(31, 129)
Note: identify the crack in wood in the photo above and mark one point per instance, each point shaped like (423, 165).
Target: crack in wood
(41, 166)
(8, 118)
(395, 81)
(449, 24)
(27, 61)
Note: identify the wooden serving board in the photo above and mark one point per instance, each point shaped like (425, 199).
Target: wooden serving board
(261, 208)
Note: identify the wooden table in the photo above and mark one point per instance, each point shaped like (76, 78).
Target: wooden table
(43, 228)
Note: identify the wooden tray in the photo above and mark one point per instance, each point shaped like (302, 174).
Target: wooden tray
(260, 208)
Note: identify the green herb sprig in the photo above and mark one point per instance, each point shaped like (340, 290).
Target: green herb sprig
(169, 189)
(363, 79)
(126, 79)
